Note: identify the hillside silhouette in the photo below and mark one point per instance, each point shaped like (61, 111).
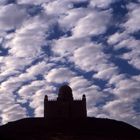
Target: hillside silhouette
(66, 129)
(66, 119)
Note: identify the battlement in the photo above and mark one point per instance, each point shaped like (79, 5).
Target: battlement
(53, 100)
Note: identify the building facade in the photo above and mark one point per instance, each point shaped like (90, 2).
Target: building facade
(65, 106)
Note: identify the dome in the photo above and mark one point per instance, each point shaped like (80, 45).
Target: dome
(65, 93)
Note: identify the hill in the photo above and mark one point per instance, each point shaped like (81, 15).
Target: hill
(76, 129)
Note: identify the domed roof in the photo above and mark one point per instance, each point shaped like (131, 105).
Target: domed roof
(65, 93)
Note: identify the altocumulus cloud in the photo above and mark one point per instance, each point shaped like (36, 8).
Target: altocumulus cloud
(88, 44)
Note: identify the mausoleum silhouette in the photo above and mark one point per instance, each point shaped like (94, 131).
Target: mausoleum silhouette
(65, 106)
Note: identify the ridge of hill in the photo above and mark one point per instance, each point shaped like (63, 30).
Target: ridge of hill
(68, 129)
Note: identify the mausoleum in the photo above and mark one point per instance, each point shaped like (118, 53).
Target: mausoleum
(65, 106)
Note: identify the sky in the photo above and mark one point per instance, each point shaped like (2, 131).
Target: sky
(93, 45)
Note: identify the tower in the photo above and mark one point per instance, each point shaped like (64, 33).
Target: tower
(65, 106)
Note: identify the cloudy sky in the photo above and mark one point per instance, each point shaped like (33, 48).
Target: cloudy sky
(91, 44)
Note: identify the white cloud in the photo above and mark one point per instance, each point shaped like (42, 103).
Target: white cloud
(37, 100)
(24, 46)
(27, 91)
(101, 3)
(117, 37)
(39, 68)
(3, 2)
(91, 58)
(131, 56)
(36, 2)
(137, 78)
(6, 98)
(11, 85)
(79, 82)
(67, 45)
(123, 110)
(71, 17)
(12, 113)
(60, 6)
(126, 91)
(81, 86)
(9, 110)
(124, 40)
(94, 23)
(27, 41)
(127, 88)
(107, 73)
(11, 16)
(13, 63)
(133, 21)
(59, 75)
(116, 78)
(37, 103)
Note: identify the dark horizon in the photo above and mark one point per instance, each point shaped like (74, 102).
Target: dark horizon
(65, 129)
(91, 45)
